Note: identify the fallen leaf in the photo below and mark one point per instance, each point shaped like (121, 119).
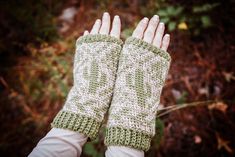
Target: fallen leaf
(218, 106)
(183, 26)
(223, 144)
(228, 76)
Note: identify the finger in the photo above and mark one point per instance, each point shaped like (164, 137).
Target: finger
(116, 27)
(157, 41)
(85, 33)
(96, 27)
(104, 29)
(150, 31)
(140, 28)
(165, 42)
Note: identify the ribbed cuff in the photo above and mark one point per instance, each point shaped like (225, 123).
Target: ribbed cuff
(77, 123)
(149, 47)
(98, 38)
(127, 137)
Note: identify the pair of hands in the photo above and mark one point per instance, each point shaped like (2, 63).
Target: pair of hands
(151, 31)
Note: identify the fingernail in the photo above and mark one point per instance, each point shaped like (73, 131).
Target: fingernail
(156, 17)
(161, 24)
(145, 19)
(116, 16)
(167, 36)
(106, 13)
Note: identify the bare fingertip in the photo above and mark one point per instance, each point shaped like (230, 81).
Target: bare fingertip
(116, 18)
(168, 37)
(145, 19)
(85, 32)
(105, 15)
(156, 16)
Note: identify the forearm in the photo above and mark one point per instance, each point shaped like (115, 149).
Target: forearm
(60, 143)
(65, 143)
(116, 151)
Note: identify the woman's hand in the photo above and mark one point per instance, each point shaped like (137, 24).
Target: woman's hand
(152, 32)
(103, 26)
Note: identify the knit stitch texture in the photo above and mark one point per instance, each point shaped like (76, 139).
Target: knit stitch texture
(141, 75)
(94, 72)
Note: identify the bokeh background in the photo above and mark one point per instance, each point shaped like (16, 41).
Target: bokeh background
(197, 110)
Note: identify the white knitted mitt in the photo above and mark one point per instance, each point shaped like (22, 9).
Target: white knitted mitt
(94, 72)
(141, 75)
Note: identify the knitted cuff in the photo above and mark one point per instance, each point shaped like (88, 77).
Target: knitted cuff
(98, 38)
(77, 123)
(147, 46)
(127, 137)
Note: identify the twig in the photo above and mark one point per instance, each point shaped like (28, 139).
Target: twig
(180, 106)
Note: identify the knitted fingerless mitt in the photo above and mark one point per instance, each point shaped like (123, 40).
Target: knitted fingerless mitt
(95, 66)
(141, 75)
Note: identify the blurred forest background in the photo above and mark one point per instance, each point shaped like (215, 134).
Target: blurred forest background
(197, 110)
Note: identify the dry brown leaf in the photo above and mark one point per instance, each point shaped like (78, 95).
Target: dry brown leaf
(218, 106)
(223, 144)
(228, 76)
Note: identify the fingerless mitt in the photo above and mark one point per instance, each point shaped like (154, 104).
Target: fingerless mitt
(95, 66)
(141, 75)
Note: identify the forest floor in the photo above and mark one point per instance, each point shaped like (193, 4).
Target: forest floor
(202, 70)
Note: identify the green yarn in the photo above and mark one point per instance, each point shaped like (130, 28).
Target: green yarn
(77, 123)
(95, 81)
(139, 86)
(127, 137)
(98, 38)
(149, 47)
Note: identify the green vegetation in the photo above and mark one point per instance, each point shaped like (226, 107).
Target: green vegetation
(194, 17)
